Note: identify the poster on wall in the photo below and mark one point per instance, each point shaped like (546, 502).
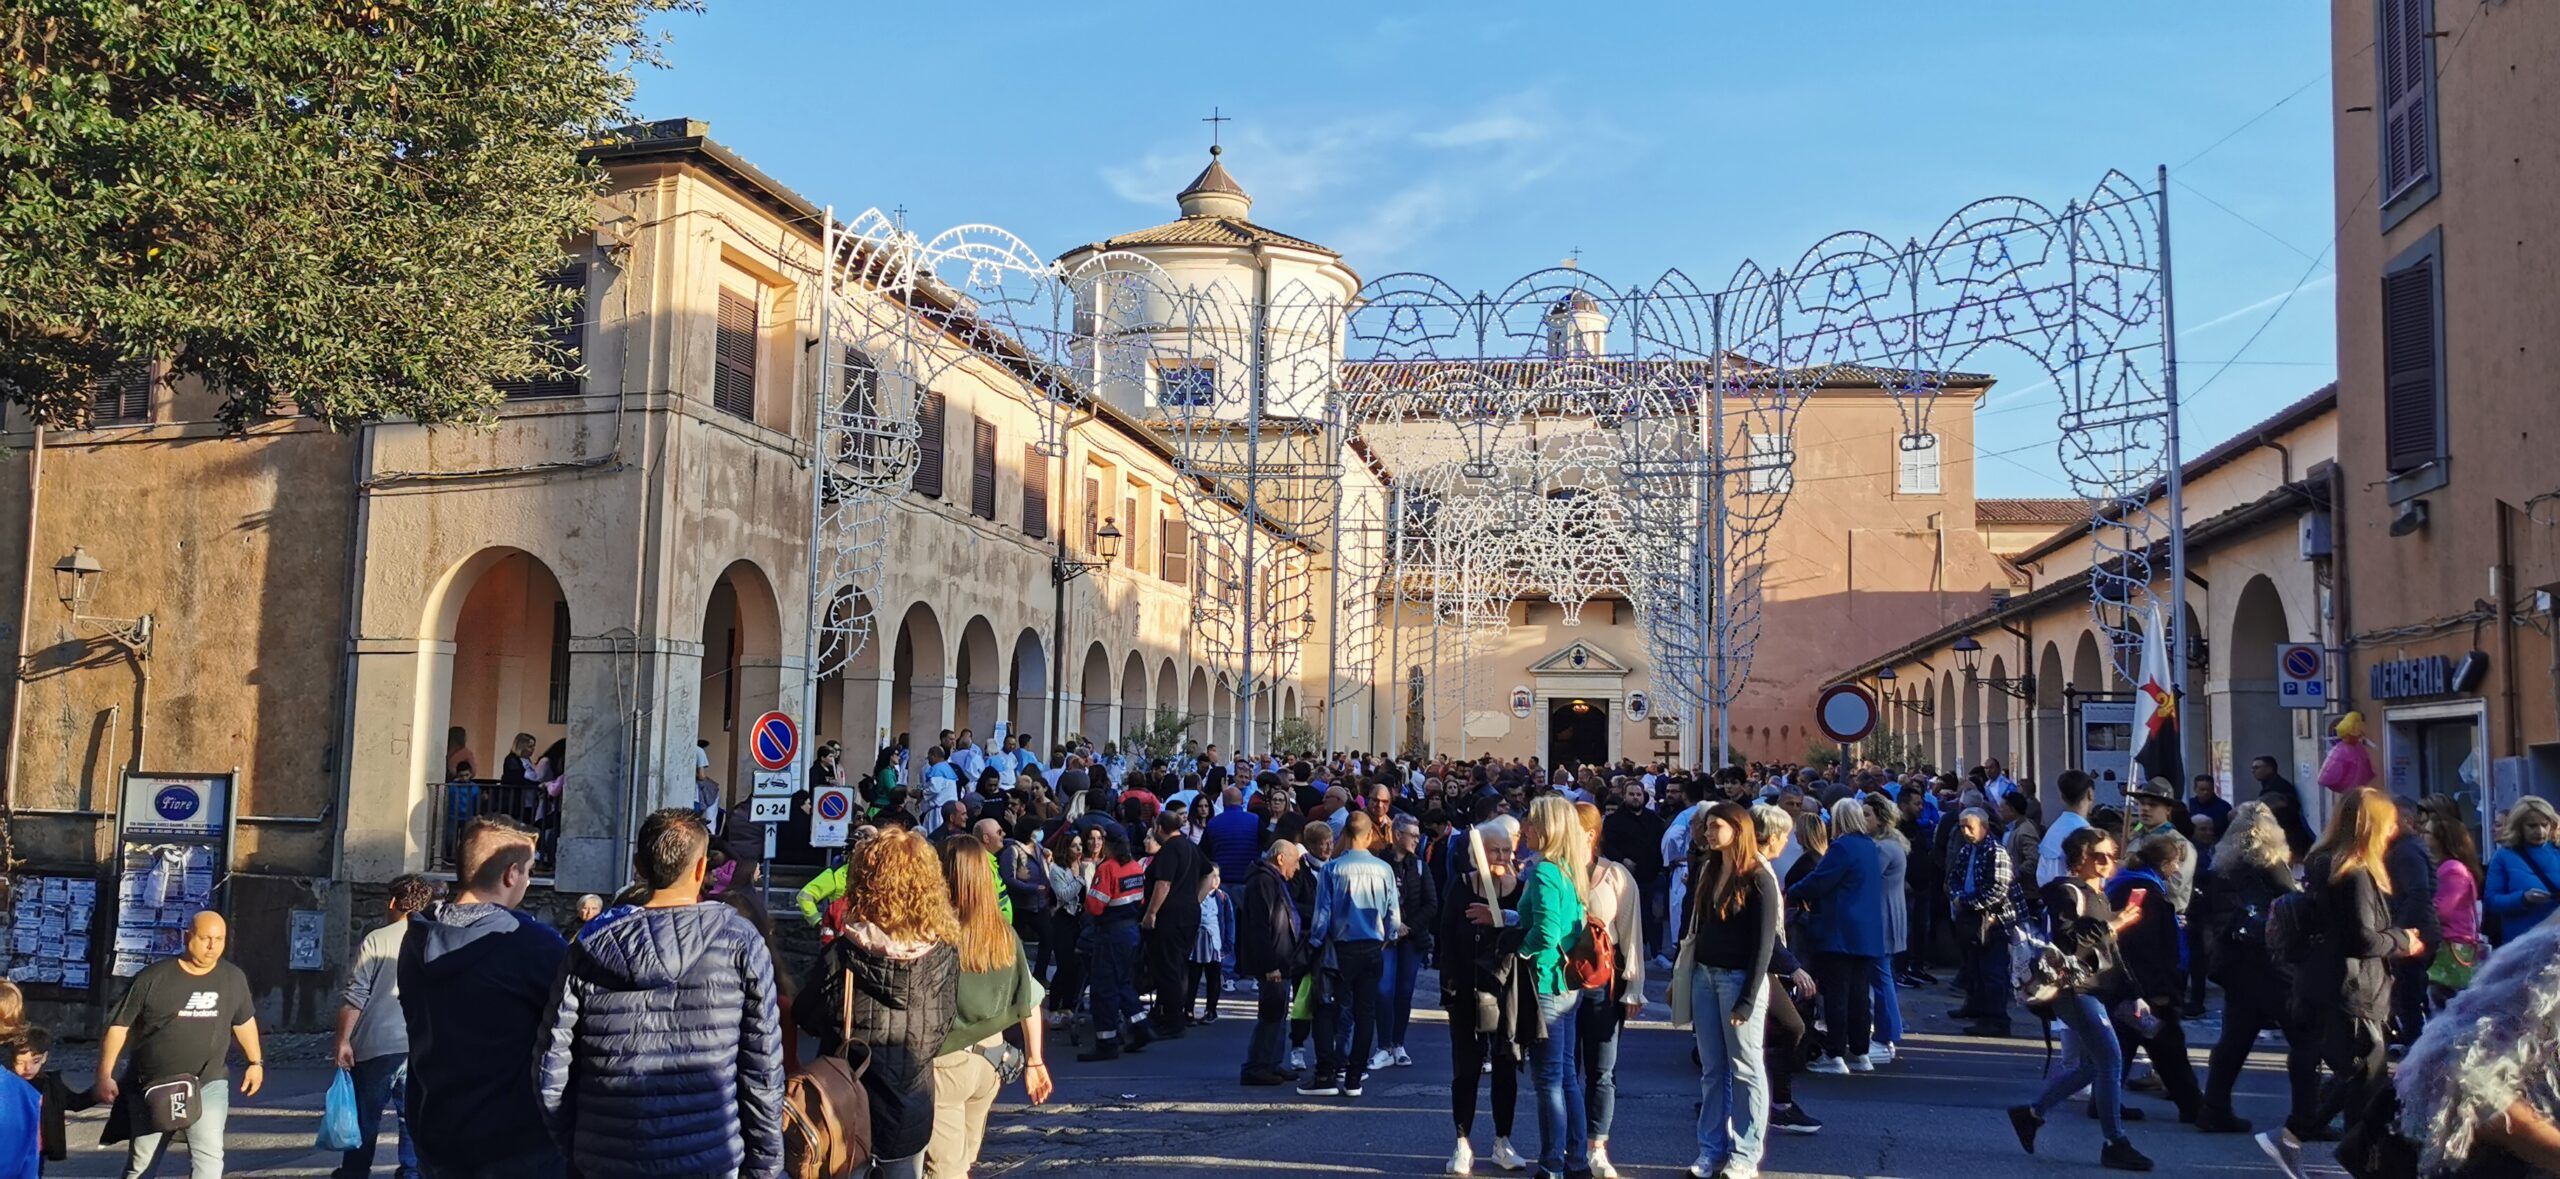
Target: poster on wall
(173, 850)
(2106, 745)
(48, 934)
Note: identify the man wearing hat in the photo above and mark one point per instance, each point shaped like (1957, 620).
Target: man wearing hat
(2160, 808)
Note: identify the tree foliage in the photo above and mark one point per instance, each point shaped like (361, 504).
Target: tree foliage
(1162, 735)
(1296, 736)
(353, 207)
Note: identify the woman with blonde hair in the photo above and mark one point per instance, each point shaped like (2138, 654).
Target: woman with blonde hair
(1617, 905)
(1846, 933)
(1551, 913)
(2345, 979)
(1782, 1030)
(996, 991)
(900, 954)
(2523, 888)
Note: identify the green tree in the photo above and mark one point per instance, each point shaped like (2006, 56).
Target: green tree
(1162, 735)
(1295, 736)
(355, 207)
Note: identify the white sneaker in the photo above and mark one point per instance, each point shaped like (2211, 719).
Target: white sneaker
(1828, 1064)
(1704, 1168)
(1862, 1063)
(1507, 1158)
(2281, 1147)
(1401, 1058)
(1881, 1053)
(1298, 1059)
(1381, 1059)
(1733, 1172)
(1600, 1168)
(1463, 1160)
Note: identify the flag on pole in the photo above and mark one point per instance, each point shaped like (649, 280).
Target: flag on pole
(2155, 711)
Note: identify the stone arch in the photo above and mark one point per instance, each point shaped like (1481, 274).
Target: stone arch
(1197, 706)
(1094, 719)
(2053, 725)
(919, 681)
(1969, 722)
(1996, 737)
(2261, 726)
(1169, 695)
(741, 675)
(1134, 709)
(1222, 712)
(1950, 744)
(496, 665)
(2089, 670)
(1027, 693)
(1925, 727)
(853, 697)
(979, 679)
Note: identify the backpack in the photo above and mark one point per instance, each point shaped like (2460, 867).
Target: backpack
(2290, 928)
(1593, 960)
(826, 1113)
(2038, 970)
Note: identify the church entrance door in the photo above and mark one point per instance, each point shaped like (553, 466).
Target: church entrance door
(1577, 732)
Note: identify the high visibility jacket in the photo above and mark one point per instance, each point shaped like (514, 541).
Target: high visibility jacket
(1118, 891)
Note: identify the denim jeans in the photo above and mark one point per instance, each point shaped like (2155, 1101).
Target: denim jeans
(1733, 1078)
(1396, 982)
(1111, 972)
(1886, 1001)
(1348, 992)
(204, 1138)
(1270, 1026)
(380, 1079)
(2094, 1061)
(1564, 1142)
(1597, 1039)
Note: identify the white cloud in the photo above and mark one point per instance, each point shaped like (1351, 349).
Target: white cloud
(1388, 180)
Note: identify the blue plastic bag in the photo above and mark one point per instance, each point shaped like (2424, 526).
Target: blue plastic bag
(338, 1118)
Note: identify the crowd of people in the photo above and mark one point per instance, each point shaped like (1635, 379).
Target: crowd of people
(994, 896)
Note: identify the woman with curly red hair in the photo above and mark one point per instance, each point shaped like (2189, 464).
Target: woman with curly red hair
(900, 954)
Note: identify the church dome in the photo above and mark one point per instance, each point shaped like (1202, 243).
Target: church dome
(1214, 207)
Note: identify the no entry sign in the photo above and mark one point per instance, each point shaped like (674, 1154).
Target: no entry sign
(1846, 712)
(773, 741)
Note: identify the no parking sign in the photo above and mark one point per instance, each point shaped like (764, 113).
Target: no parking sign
(773, 741)
(2299, 682)
(830, 816)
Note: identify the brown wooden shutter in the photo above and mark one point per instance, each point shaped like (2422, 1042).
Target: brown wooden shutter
(563, 344)
(1129, 512)
(2411, 400)
(2406, 58)
(733, 377)
(982, 470)
(1092, 513)
(1177, 550)
(121, 395)
(930, 423)
(1035, 491)
(861, 409)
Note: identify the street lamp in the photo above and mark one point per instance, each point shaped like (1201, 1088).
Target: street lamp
(1969, 657)
(1884, 679)
(75, 582)
(1106, 549)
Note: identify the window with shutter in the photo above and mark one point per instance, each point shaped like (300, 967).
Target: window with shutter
(1129, 512)
(122, 395)
(2404, 68)
(733, 376)
(1035, 491)
(1917, 465)
(1177, 550)
(2412, 361)
(1092, 513)
(862, 426)
(929, 445)
(1771, 467)
(561, 344)
(982, 470)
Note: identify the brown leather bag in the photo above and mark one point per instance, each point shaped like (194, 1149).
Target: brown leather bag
(826, 1113)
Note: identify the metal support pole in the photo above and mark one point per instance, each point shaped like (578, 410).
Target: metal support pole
(2175, 478)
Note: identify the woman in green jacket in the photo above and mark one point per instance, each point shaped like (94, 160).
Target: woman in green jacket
(996, 991)
(1551, 906)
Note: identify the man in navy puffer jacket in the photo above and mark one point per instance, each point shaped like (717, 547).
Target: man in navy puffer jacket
(664, 1055)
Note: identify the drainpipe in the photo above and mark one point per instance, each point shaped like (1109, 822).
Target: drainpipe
(2502, 578)
(26, 615)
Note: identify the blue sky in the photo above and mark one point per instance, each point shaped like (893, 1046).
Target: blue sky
(1479, 141)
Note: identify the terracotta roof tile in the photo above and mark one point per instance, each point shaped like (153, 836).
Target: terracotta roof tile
(1210, 231)
(2056, 512)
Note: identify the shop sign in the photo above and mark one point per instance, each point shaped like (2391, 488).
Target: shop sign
(2426, 675)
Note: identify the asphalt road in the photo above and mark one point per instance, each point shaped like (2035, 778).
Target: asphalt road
(1176, 1110)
